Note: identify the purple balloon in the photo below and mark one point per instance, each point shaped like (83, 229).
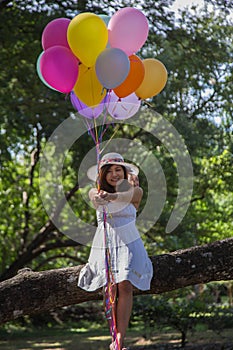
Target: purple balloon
(84, 110)
(123, 108)
(55, 33)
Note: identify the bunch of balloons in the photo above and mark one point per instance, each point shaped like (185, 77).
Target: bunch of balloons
(94, 55)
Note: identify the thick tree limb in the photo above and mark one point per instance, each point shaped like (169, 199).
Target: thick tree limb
(32, 292)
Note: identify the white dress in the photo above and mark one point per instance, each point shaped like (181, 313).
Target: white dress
(129, 259)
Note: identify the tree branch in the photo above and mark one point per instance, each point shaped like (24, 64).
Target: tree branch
(26, 257)
(33, 292)
(54, 245)
(60, 256)
(35, 156)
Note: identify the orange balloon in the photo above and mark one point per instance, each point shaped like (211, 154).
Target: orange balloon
(133, 79)
(154, 80)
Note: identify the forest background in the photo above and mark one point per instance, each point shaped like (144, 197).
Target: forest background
(196, 48)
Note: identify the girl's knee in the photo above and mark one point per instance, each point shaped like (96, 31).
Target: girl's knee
(125, 287)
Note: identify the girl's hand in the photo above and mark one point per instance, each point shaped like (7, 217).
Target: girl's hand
(107, 196)
(98, 200)
(95, 197)
(103, 194)
(133, 180)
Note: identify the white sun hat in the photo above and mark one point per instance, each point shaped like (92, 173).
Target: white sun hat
(111, 159)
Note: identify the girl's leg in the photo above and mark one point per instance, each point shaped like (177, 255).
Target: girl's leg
(123, 309)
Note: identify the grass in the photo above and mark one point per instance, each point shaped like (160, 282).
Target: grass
(71, 338)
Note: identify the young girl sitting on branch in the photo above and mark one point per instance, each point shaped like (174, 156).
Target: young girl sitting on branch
(118, 259)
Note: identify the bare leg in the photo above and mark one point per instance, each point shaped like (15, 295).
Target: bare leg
(123, 309)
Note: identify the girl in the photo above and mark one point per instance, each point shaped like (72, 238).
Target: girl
(116, 203)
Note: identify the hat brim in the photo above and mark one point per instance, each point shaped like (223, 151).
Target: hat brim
(92, 172)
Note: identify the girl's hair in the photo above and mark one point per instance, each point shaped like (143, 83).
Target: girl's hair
(105, 186)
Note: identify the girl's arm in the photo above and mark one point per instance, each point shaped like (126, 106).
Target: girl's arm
(133, 195)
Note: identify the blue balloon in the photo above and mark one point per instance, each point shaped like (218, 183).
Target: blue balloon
(105, 18)
(112, 67)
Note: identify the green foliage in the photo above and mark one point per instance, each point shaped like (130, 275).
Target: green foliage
(197, 51)
(183, 311)
(214, 212)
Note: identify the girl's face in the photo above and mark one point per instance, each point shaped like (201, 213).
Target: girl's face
(115, 175)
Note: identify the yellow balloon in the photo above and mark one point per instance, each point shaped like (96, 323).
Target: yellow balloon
(88, 88)
(87, 36)
(155, 78)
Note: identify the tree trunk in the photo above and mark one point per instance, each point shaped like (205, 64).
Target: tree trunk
(33, 292)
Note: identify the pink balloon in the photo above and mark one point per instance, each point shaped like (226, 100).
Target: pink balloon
(128, 30)
(55, 33)
(123, 108)
(84, 110)
(59, 68)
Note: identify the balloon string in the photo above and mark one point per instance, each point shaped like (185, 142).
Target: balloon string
(96, 133)
(90, 130)
(110, 292)
(106, 101)
(114, 133)
(102, 129)
(148, 104)
(98, 160)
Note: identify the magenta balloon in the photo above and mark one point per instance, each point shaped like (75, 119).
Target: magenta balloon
(128, 30)
(123, 108)
(39, 72)
(84, 110)
(59, 68)
(55, 33)
(112, 67)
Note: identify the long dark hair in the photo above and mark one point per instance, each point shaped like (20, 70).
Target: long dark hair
(105, 186)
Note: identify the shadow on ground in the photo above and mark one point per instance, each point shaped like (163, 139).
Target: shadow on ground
(99, 340)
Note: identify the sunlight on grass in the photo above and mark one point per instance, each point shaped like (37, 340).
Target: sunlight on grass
(102, 338)
(45, 344)
(78, 330)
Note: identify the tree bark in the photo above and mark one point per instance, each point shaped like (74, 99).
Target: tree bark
(33, 292)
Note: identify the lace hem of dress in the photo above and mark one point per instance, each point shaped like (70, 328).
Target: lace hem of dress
(89, 281)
